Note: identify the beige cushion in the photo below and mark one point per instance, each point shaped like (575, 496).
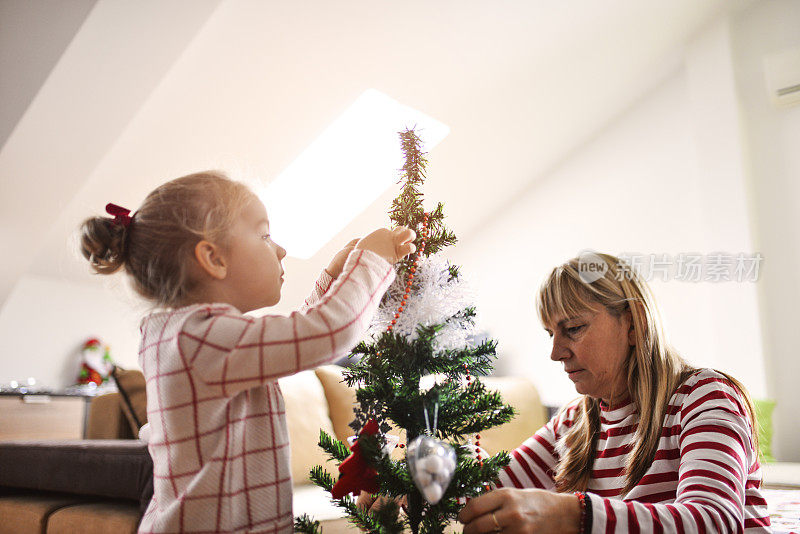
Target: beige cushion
(341, 399)
(306, 414)
(96, 518)
(531, 414)
(28, 513)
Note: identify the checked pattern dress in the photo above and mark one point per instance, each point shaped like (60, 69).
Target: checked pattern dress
(219, 441)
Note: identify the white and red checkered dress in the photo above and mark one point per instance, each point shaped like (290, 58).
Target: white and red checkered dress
(219, 442)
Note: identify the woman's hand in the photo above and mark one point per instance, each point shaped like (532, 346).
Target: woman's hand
(391, 245)
(336, 265)
(371, 503)
(523, 511)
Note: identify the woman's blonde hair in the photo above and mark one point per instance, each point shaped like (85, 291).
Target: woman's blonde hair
(156, 247)
(655, 370)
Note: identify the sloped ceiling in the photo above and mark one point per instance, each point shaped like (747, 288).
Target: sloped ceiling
(147, 91)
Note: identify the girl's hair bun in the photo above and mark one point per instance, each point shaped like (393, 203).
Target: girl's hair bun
(156, 244)
(103, 244)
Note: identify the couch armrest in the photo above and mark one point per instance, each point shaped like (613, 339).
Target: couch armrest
(106, 419)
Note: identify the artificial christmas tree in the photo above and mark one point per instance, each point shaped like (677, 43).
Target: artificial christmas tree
(423, 328)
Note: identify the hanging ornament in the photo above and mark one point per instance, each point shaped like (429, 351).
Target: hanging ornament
(432, 463)
(355, 473)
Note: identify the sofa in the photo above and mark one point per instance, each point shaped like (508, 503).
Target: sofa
(103, 485)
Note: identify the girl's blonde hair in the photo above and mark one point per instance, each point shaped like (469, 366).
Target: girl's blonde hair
(654, 369)
(156, 248)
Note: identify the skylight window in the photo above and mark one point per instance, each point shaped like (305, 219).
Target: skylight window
(353, 162)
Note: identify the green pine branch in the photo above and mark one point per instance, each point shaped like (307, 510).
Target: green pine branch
(336, 449)
(307, 525)
(390, 387)
(394, 478)
(471, 477)
(374, 522)
(321, 478)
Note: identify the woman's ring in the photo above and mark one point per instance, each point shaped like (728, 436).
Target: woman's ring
(497, 527)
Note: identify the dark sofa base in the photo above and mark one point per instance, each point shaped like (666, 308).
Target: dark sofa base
(86, 486)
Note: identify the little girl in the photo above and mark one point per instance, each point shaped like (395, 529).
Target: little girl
(199, 248)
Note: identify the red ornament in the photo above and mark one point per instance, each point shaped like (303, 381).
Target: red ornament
(356, 474)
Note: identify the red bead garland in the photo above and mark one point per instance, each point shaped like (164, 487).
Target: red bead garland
(412, 270)
(408, 284)
(477, 436)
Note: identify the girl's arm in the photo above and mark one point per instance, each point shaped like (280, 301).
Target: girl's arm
(231, 352)
(321, 287)
(715, 459)
(329, 275)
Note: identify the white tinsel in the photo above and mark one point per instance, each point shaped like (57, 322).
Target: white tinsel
(434, 299)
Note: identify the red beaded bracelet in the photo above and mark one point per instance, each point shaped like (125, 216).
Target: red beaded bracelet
(582, 500)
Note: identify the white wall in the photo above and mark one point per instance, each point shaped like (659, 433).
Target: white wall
(702, 164)
(635, 188)
(773, 140)
(45, 322)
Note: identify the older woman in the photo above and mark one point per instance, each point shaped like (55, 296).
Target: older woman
(652, 444)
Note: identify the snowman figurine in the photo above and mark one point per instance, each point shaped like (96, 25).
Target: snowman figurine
(96, 363)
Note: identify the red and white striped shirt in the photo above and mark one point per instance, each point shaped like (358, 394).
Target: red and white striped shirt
(219, 441)
(705, 476)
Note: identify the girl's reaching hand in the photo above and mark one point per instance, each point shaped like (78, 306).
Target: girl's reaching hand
(391, 245)
(337, 263)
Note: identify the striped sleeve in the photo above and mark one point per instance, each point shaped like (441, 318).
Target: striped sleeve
(533, 463)
(232, 352)
(322, 285)
(716, 453)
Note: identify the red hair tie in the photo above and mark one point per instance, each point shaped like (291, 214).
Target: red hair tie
(121, 215)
